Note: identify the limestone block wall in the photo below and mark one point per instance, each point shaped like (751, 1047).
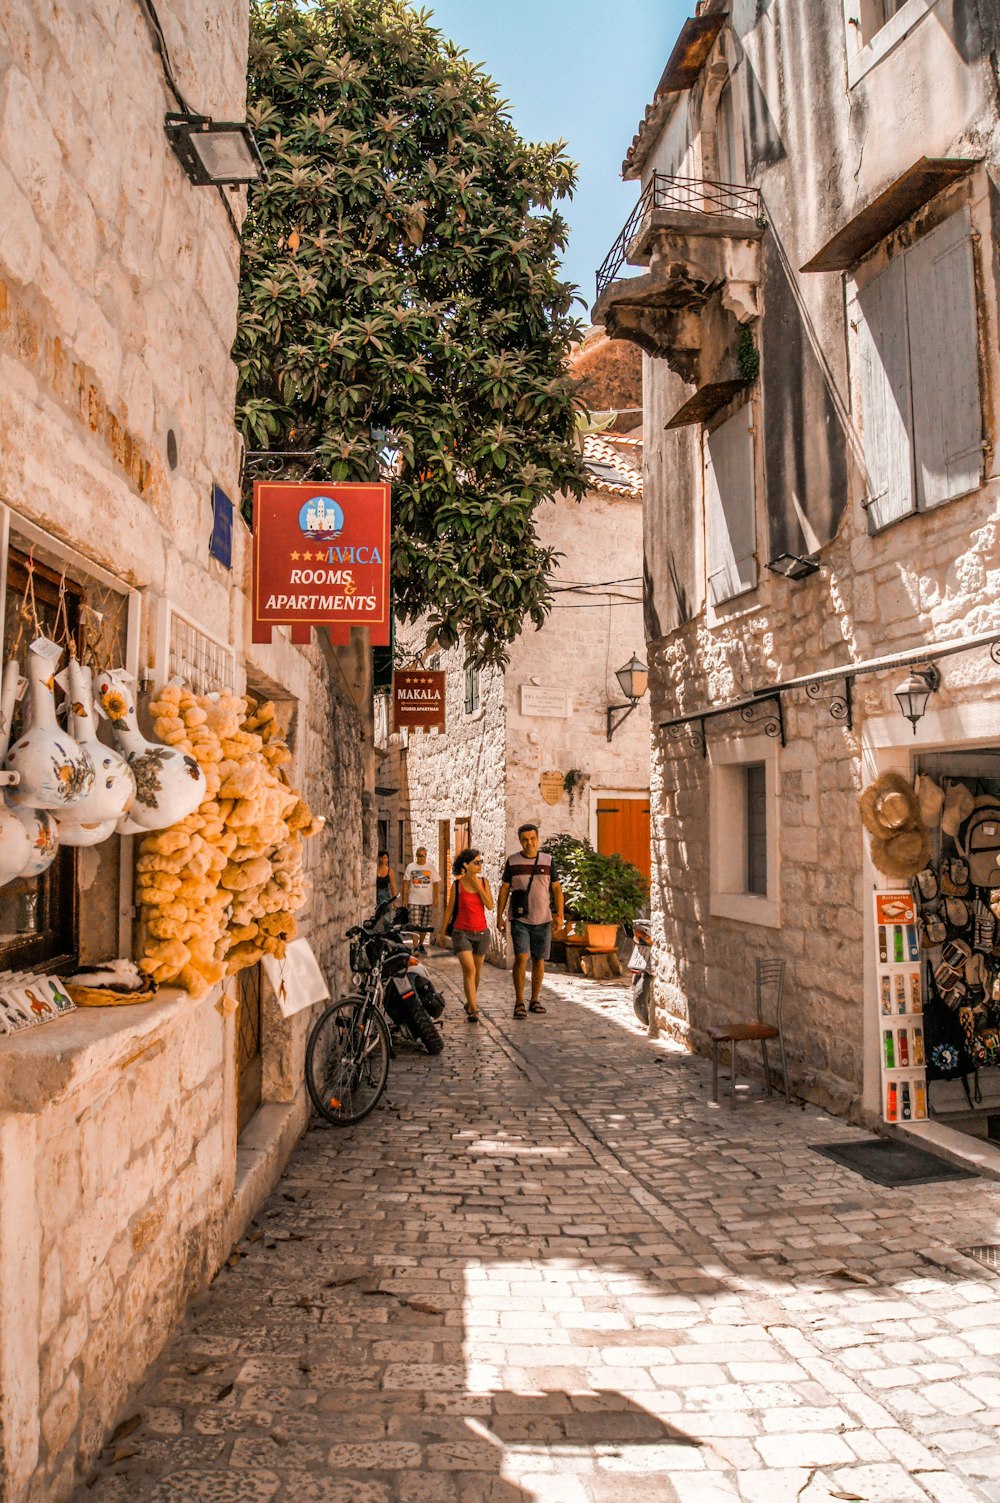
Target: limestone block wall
(585, 639)
(115, 1205)
(121, 1176)
(930, 577)
(459, 775)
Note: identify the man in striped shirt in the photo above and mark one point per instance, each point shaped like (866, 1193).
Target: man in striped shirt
(531, 881)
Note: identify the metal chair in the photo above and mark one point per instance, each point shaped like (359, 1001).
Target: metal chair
(770, 974)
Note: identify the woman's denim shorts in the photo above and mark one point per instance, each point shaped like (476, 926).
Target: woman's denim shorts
(477, 941)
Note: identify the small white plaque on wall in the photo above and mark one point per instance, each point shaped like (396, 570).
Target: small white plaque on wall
(537, 700)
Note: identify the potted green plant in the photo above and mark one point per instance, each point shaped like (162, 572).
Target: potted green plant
(601, 891)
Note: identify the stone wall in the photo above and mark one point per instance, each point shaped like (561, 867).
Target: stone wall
(585, 639)
(818, 154)
(123, 1183)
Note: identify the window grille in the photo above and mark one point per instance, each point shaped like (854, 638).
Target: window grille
(186, 651)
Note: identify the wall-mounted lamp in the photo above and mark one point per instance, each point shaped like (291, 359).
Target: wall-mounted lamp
(913, 694)
(634, 680)
(214, 152)
(794, 565)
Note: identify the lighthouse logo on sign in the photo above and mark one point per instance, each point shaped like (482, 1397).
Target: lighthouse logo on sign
(321, 519)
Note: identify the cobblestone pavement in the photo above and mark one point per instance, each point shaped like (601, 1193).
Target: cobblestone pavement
(549, 1270)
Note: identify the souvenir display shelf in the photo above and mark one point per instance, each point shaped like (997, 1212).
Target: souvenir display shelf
(899, 973)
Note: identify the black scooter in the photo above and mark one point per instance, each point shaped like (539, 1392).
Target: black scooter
(642, 981)
(409, 998)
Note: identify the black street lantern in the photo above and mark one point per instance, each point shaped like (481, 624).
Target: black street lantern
(634, 680)
(914, 693)
(794, 565)
(214, 152)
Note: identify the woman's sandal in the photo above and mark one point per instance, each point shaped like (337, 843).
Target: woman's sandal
(536, 1006)
(519, 1011)
(471, 1014)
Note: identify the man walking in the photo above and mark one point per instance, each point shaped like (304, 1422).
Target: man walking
(421, 885)
(531, 882)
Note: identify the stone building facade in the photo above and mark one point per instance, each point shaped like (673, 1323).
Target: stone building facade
(124, 1173)
(540, 724)
(817, 304)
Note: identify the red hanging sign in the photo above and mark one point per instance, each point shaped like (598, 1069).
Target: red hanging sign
(418, 699)
(321, 558)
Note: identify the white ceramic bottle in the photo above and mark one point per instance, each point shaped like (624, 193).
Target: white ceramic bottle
(16, 845)
(169, 783)
(113, 793)
(55, 772)
(40, 827)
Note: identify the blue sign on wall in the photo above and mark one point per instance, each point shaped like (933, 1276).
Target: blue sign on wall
(221, 545)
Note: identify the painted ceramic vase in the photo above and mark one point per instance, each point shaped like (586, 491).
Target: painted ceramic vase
(113, 793)
(55, 773)
(16, 846)
(169, 784)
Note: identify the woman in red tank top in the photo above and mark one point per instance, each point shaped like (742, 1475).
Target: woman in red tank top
(466, 916)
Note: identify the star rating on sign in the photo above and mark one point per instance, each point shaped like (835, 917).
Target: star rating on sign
(296, 556)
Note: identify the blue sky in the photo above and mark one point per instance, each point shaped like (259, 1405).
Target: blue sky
(583, 70)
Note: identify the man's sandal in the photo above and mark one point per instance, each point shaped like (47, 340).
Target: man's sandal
(519, 1011)
(536, 1006)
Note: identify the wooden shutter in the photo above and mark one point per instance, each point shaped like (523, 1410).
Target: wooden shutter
(730, 506)
(885, 396)
(944, 362)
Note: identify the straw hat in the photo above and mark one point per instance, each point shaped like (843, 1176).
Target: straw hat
(958, 805)
(890, 805)
(930, 797)
(901, 855)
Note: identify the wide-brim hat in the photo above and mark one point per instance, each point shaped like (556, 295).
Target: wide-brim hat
(930, 799)
(902, 854)
(889, 805)
(958, 805)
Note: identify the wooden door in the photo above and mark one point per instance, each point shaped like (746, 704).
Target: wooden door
(249, 1062)
(623, 830)
(444, 860)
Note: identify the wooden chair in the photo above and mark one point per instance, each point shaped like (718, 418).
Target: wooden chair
(771, 977)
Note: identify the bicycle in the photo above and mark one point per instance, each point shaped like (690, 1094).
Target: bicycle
(350, 1046)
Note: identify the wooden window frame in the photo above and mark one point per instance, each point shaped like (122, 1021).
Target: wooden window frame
(51, 558)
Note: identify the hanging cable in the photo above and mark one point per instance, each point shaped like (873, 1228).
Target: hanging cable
(160, 42)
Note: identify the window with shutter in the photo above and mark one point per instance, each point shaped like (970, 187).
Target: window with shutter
(944, 362)
(730, 506)
(885, 395)
(919, 363)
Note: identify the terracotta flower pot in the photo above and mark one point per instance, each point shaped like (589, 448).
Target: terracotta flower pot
(602, 938)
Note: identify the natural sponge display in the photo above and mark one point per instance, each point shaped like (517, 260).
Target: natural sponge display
(220, 889)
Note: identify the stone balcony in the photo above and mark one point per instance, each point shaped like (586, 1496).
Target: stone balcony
(697, 239)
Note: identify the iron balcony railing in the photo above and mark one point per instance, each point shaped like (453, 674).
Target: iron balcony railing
(687, 195)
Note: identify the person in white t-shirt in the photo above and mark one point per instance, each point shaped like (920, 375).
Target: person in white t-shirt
(421, 886)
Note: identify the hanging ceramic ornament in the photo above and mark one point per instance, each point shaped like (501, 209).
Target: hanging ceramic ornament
(169, 783)
(16, 845)
(113, 793)
(55, 772)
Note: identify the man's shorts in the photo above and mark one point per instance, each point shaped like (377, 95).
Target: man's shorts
(476, 941)
(531, 939)
(421, 916)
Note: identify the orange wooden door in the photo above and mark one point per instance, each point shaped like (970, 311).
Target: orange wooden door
(623, 830)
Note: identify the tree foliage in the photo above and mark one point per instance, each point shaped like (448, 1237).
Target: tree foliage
(401, 293)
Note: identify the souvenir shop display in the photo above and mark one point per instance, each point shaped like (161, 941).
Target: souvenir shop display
(958, 898)
(219, 890)
(113, 794)
(899, 978)
(900, 841)
(54, 771)
(27, 999)
(169, 784)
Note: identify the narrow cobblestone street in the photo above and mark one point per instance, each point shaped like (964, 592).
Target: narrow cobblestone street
(549, 1270)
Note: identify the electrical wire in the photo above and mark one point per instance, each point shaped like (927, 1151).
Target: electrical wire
(160, 42)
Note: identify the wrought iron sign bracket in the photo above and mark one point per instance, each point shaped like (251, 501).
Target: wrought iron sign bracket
(839, 706)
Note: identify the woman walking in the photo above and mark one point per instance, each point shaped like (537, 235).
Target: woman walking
(385, 884)
(466, 913)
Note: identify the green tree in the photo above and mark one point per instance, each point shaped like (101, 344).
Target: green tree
(401, 293)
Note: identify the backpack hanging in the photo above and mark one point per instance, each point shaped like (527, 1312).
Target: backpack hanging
(979, 842)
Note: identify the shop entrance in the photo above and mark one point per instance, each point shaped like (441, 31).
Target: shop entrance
(958, 909)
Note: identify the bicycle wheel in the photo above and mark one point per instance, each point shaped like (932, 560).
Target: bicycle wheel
(347, 1062)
